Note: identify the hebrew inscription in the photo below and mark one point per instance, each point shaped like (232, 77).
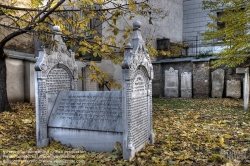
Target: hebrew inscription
(139, 111)
(88, 110)
(42, 107)
(58, 80)
(171, 83)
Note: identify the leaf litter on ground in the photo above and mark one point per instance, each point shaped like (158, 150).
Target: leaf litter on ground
(187, 132)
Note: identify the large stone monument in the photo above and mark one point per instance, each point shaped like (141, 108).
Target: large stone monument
(137, 75)
(186, 85)
(218, 83)
(171, 83)
(233, 89)
(94, 119)
(55, 70)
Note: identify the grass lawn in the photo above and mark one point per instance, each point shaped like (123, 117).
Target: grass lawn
(187, 132)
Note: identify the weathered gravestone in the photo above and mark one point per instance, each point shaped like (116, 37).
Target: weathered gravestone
(218, 83)
(246, 89)
(186, 84)
(97, 120)
(171, 83)
(55, 70)
(233, 89)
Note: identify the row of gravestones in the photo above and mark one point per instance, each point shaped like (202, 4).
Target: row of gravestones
(172, 84)
(94, 119)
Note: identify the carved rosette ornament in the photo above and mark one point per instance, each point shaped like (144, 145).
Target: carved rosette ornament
(137, 97)
(54, 65)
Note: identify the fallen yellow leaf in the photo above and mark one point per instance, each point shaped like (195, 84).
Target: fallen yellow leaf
(27, 121)
(222, 141)
(2, 128)
(13, 156)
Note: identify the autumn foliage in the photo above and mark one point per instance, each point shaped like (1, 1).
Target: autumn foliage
(188, 132)
(233, 36)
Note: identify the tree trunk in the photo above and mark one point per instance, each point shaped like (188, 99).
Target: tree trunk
(4, 103)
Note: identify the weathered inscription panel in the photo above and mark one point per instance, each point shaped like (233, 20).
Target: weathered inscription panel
(186, 84)
(139, 86)
(42, 107)
(171, 83)
(139, 111)
(101, 111)
(58, 80)
(218, 83)
(233, 89)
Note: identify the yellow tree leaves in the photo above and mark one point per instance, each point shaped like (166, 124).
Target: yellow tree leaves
(234, 37)
(187, 132)
(83, 24)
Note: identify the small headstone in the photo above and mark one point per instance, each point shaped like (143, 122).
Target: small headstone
(201, 79)
(186, 84)
(246, 89)
(171, 83)
(233, 89)
(218, 83)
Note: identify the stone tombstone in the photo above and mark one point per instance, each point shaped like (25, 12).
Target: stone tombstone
(233, 89)
(171, 83)
(246, 89)
(218, 83)
(137, 78)
(92, 119)
(186, 85)
(55, 70)
(201, 79)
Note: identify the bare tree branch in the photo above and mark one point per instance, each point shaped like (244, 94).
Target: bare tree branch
(33, 23)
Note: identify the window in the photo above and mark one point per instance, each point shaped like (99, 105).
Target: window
(220, 25)
(76, 16)
(231, 20)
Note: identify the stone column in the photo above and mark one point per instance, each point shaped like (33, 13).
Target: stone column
(246, 89)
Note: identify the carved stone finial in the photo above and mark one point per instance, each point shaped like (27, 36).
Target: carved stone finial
(56, 28)
(128, 45)
(137, 24)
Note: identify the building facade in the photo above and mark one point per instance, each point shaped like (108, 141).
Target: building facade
(22, 52)
(195, 20)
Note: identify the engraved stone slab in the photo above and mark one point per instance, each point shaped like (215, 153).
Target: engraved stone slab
(171, 83)
(186, 84)
(246, 89)
(139, 110)
(233, 89)
(240, 70)
(201, 79)
(58, 79)
(218, 83)
(89, 110)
